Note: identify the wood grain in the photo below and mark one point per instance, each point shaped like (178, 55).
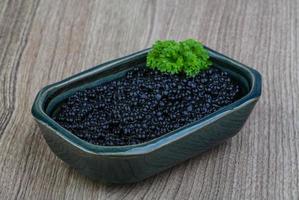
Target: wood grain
(44, 41)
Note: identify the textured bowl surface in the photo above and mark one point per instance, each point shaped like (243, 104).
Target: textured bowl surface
(132, 163)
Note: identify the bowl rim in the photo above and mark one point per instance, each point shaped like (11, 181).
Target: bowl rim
(152, 145)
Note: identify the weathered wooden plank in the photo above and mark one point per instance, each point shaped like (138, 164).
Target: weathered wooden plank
(43, 42)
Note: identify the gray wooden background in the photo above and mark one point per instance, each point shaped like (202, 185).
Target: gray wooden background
(44, 41)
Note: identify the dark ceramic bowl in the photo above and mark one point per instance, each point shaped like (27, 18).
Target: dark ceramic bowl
(132, 163)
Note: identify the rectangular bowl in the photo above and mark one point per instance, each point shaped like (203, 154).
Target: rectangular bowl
(132, 163)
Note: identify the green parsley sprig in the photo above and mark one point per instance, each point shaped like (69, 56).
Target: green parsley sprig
(188, 56)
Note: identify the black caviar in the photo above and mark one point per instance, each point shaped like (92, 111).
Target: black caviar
(143, 105)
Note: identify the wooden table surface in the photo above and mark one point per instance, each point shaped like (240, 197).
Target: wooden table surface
(44, 41)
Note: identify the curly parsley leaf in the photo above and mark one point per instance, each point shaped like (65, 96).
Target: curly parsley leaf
(188, 56)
